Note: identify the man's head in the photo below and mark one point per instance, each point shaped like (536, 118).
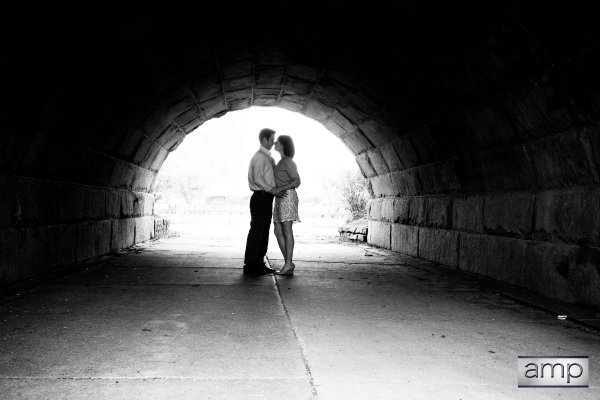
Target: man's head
(266, 137)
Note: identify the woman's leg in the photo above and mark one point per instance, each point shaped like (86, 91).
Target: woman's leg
(288, 234)
(280, 238)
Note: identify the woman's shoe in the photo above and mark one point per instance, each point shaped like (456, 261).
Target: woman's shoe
(284, 271)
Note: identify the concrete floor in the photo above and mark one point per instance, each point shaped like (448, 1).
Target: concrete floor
(176, 319)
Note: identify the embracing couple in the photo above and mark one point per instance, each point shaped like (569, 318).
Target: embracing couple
(269, 181)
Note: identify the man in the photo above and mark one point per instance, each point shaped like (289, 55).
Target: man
(262, 183)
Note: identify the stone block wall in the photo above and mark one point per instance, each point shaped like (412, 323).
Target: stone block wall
(535, 223)
(45, 224)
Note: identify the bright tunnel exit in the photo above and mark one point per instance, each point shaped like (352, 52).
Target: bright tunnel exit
(202, 187)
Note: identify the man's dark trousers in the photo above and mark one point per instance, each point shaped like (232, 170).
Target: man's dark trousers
(261, 212)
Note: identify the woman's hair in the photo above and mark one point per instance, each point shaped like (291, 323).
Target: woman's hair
(288, 145)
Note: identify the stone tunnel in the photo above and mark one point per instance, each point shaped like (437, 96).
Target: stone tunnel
(476, 128)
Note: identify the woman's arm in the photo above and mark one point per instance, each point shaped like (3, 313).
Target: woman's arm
(292, 185)
(292, 172)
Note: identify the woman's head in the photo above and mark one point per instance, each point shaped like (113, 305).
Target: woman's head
(285, 144)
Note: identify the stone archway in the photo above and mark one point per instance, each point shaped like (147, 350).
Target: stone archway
(478, 135)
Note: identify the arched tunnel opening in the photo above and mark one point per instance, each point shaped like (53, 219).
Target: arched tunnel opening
(202, 188)
(475, 126)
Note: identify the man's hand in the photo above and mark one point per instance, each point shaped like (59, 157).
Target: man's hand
(278, 192)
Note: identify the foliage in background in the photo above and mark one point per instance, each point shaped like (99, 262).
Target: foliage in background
(355, 194)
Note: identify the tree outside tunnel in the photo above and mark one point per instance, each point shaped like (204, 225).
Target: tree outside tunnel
(202, 186)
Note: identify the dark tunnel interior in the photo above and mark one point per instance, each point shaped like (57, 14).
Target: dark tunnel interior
(476, 126)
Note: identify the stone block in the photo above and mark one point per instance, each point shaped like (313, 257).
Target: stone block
(549, 269)
(585, 278)
(156, 123)
(406, 152)
(127, 200)
(371, 212)
(439, 245)
(506, 168)
(467, 213)
(376, 209)
(316, 110)
(71, 202)
(509, 214)
(31, 257)
(34, 202)
(559, 161)
(469, 173)
(95, 203)
(364, 163)
(487, 126)
(590, 140)
(122, 233)
(298, 84)
(493, 256)
(159, 158)
(140, 154)
(417, 211)
(93, 239)
(390, 156)
(144, 229)
(405, 239)
(97, 169)
(378, 162)
(399, 183)
(41, 202)
(356, 142)
(378, 134)
(379, 234)
(8, 202)
(382, 185)
(401, 210)
(148, 204)
(438, 211)
(142, 182)
(571, 216)
(352, 111)
(329, 123)
(113, 203)
(341, 120)
(9, 256)
(406, 182)
(352, 236)
(138, 204)
(59, 244)
(387, 209)
(123, 175)
(130, 142)
(439, 178)
(425, 145)
(528, 108)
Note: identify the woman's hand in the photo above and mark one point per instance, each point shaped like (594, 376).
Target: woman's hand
(278, 192)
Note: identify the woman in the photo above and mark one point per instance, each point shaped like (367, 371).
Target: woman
(285, 210)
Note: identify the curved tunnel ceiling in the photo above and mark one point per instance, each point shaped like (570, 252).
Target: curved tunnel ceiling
(118, 92)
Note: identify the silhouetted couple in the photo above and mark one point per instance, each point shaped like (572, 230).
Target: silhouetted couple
(269, 181)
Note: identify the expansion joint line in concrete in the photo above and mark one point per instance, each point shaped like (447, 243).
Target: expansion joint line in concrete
(300, 347)
(141, 378)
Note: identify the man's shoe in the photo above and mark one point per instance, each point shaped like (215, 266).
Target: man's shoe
(254, 271)
(258, 270)
(267, 269)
